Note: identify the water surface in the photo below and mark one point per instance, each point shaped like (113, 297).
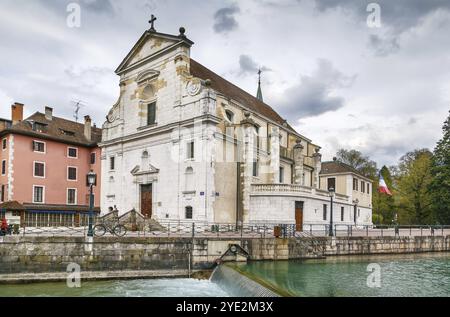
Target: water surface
(421, 275)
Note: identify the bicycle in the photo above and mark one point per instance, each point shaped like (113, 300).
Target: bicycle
(117, 230)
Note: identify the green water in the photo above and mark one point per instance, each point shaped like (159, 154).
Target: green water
(424, 275)
(403, 275)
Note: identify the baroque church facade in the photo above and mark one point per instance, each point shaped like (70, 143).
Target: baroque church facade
(183, 143)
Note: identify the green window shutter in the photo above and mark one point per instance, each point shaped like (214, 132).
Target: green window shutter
(151, 114)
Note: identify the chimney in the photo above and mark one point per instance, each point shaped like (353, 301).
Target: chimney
(17, 112)
(48, 113)
(87, 127)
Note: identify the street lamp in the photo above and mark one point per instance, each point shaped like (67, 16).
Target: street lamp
(91, 181)
(331, 192)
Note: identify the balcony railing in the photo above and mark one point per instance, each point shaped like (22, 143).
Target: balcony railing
(274, 189)
(286, 153)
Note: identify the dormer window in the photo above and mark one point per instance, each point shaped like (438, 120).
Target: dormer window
(230, 116)
(68, 133)
(39, 127)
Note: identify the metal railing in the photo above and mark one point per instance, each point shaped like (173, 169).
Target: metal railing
(198, 229)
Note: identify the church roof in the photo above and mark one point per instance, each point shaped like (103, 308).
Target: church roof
(57, 129)
(230, 90)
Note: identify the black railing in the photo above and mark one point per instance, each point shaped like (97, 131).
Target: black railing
(198, 229)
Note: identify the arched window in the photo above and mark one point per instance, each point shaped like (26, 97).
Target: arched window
(144, 163)
(230, 115)
(189, 212)
(189, 181)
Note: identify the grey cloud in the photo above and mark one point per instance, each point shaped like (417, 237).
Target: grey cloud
(225, 19)
(312, 96)
(383, 46)
(92, 6)
(399, 14)
(248, 65)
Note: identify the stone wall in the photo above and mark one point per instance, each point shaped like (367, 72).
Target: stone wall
(53, 254)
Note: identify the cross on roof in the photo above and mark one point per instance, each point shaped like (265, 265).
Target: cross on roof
(152, 23)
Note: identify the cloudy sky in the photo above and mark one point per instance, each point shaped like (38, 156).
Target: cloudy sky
(381, 90)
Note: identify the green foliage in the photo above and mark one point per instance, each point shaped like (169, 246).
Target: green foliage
(440, 186)
(412, 186)
(358, 161)
(377, 218)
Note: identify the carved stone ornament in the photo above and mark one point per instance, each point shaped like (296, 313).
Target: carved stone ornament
(194, 87)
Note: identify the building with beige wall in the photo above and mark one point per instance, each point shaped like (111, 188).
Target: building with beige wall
(183, 143)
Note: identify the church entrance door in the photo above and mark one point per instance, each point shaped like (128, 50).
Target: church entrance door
(146, 200)
(299, 215)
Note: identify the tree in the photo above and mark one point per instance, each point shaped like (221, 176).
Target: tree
(440, 186)
(358, 161)
(412, 187)
(383, 205)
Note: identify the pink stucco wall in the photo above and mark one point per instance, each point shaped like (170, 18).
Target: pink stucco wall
(56, 163)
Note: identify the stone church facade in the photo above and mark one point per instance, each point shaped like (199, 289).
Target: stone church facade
(182, 143)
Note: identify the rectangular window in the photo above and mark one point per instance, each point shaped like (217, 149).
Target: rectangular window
(368, 188)
(325, 207)
(363, 187)
(281, 175)
(4, 144)
(4, 167)
(342, 213)
(151, 113)
(2, 194)
(255, 169)
(191, 150)
(71, 196)
(331, 183)
(93, 158)
(72, 173)
(355, 184)
(38, 194)
(72, 152)
(38, 146)
(39, 169)
(112, 163)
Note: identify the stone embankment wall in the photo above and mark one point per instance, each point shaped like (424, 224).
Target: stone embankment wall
(53, 254)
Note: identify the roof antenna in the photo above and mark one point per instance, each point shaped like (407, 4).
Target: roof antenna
(78, 104)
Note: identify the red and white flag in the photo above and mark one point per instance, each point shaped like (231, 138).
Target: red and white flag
(382, 187)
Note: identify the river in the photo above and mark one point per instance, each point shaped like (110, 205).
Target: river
(400, 275)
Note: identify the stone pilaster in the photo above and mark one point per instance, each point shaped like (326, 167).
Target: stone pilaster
(249, 156)
(298, 163)
(317, 168)
(275, 155)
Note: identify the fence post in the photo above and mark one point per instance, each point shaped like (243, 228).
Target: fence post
(193, 230)
(421, 228)
(367, 231)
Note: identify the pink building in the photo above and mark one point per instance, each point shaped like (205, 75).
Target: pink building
(44, 162)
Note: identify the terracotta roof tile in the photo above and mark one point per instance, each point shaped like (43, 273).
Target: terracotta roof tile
(230, 90)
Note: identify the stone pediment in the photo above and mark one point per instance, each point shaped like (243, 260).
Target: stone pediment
(151, 44)
(137, 170)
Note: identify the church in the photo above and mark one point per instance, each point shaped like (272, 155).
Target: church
(184, 144)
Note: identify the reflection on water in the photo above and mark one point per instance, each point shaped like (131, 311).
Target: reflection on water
(135, 288)
(402, 275)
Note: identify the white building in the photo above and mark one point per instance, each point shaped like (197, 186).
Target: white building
(183, 143)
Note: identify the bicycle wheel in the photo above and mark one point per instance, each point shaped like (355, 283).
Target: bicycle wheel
(120, 230)
(99, 230)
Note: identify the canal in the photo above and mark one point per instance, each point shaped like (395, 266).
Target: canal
(400, 275)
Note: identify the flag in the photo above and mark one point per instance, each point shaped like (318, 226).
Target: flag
(382, 187)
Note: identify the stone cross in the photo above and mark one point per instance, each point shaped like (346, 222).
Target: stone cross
(152, 23)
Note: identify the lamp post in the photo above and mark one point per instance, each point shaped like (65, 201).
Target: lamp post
(331, 192)
(355, 210)
(91, 181)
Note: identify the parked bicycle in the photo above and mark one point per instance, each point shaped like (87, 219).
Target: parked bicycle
(115, 229)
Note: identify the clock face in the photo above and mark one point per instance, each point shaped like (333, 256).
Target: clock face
(111, 117)
(193, 88)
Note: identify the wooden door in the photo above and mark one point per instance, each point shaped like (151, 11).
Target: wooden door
(299, 216)
(146, 200)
